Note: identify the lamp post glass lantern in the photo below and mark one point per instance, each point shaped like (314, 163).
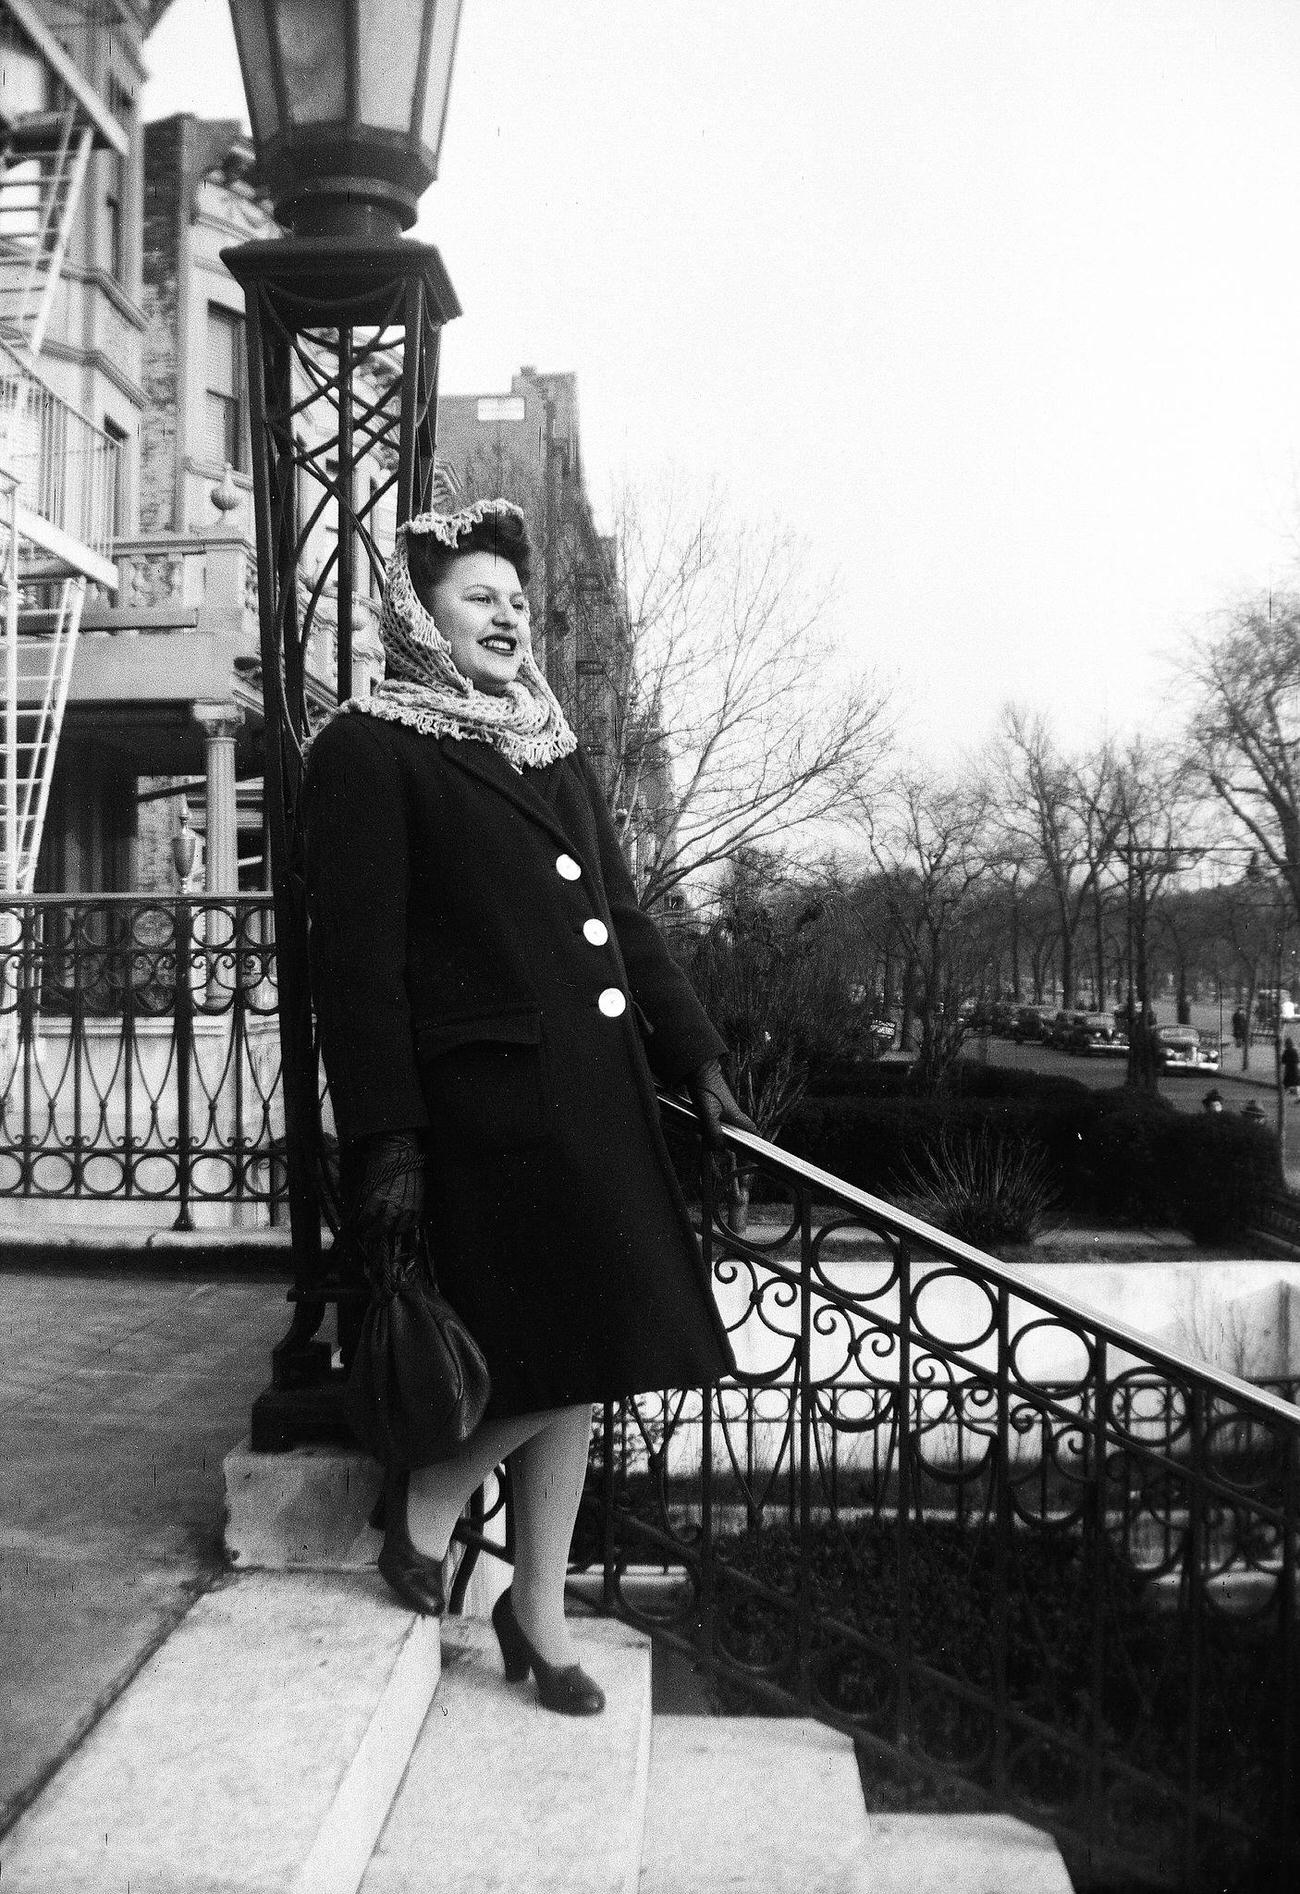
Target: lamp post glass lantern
(348, 100)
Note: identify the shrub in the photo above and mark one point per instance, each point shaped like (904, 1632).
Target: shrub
(1114, 1156)
(968, 1078)
(1217, 1171)
(985, 1189)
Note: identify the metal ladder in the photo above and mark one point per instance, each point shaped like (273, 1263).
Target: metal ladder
(45, 151)
(36, 673)
(44, 169)
(44, 158)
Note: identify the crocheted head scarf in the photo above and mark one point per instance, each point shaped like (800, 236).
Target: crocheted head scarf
(422, 686)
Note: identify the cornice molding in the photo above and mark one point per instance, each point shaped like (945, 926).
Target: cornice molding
(102, 364)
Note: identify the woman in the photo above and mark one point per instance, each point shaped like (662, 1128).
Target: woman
(492, 1004)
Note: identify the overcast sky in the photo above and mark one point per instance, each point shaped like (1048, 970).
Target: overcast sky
(996, 301)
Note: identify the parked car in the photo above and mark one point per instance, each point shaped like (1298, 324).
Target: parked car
(1096, 1032)
(1178, 1048)
(1002, 1019)
(1266, 1006)
(883, 1032)
(1062, 1030)
(1031, 1024)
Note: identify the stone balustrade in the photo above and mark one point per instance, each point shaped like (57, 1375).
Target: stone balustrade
(177, 581)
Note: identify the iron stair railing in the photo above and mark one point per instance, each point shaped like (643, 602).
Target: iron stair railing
(1023, 1555)
(1101, 1638)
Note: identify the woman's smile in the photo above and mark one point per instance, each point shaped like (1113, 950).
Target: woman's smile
(481, 610)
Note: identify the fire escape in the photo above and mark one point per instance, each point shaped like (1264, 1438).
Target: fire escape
(58, 472)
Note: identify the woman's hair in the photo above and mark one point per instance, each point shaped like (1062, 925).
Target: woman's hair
(502, 532)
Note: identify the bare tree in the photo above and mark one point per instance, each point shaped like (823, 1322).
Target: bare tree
(779, 977)
(1235, 935)
(1060, 812)
(736, 726)
(933, 843)
(1245, 735)
(772, 970)
(1157, 811)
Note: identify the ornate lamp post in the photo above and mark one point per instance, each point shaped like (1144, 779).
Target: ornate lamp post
(347, 100)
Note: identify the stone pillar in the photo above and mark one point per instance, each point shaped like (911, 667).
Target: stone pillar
(220, 723)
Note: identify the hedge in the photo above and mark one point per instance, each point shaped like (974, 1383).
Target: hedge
(1116, 1156)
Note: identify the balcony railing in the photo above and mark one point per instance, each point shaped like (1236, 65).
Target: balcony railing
(139, 1051)
(173, 581)
(1069, 1594)
(66, 469)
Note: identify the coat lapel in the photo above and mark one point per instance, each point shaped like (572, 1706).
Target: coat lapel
(485, 763)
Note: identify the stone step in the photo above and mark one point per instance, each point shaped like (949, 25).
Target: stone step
(308, 1510)
(503, 1797)
(959, 1854)
(761, 1805)
(257, 1752)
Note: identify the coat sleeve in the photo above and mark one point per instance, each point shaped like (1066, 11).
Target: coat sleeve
(682, 1036)
(356, 859)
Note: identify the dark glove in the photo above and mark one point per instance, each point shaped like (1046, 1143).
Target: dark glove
(715, 1105)
(387, 1200)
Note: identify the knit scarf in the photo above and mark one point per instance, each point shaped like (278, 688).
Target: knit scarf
(422, 686)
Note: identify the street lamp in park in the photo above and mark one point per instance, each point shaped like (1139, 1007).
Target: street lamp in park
(347, 100)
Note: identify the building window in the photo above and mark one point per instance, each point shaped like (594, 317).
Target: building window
(121, 105)
(226, 436)
(117, 476)
(113, 223)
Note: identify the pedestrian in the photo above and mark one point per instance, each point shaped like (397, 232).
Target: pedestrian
(1290, 1067)
(1239, 1026)
(494, 1009)
(1213, 1101)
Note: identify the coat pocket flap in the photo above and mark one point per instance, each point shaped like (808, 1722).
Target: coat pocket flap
(520, 1028)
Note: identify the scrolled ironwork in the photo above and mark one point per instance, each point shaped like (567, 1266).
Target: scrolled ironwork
(1021, 1554)
(1009, 1546)
(139, 1054)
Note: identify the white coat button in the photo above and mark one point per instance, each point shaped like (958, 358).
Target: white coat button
(596, 932)
(612, 1002)
(566, 866)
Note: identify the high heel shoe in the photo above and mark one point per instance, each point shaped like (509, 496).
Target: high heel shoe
(416, 1578)
(563, 1687)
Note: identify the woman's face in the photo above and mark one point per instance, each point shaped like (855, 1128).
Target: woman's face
(481, 610)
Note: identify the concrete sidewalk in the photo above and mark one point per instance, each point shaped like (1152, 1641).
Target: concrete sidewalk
(119, 1396)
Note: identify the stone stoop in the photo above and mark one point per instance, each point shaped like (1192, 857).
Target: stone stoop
(503, 1797)
(257, 1752)
(759, 1805)
(308, 1511)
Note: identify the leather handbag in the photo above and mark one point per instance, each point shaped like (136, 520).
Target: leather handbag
(418, 1384)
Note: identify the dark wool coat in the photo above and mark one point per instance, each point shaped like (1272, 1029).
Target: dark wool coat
(482, 972)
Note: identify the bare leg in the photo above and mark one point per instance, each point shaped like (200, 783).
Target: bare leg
(547, 1474)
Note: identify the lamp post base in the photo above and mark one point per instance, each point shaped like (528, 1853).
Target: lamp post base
(343, 335)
